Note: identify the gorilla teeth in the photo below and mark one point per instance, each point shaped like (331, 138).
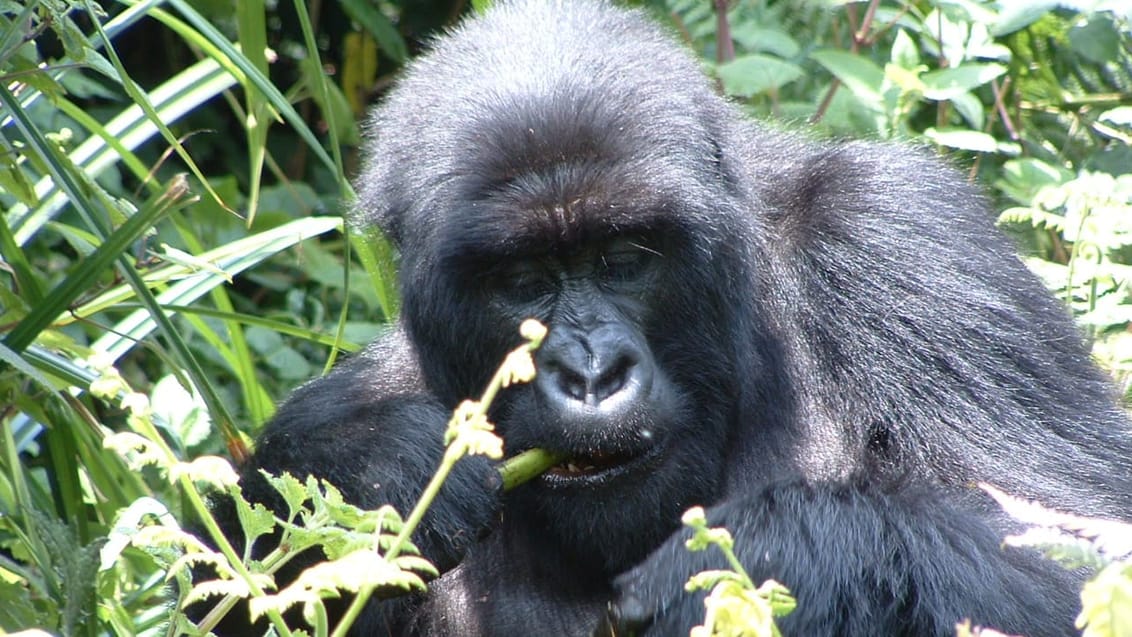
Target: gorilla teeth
(574, 468)
(590, 464)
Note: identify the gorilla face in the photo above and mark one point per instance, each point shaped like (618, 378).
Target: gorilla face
(600, 397)
(623, 392)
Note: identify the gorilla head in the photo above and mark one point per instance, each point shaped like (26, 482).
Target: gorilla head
(824, 343)
(579, 194)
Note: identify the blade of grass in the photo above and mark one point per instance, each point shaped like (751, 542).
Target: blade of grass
(375, 253)
(251, 78)
(125, 132)
(335, 148)
(113, 246)
(305, 333)
(251, 27)
(240, 255)
(226, 254)
(141, 99)
(89, 204)
(91, 267)
(259, 405)
(29, 287)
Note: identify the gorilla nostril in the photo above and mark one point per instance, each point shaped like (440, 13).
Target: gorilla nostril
(573, 384)
(612, 380)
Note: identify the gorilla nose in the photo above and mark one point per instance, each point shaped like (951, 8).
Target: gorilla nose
(603, 370)
(595, 383)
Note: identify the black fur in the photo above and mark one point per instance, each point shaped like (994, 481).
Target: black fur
(827, 344)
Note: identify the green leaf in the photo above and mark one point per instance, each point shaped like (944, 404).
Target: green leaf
(905, 53)
(209, 34)
(1019, 14)
(1106, 603)
(15, 182)
(73, 567)
(183, 410)
(971, 109)
(1097, 40)
(230, 259)
(752, 74)
(125, 132)
(126, 525)
(946, 84)
(365, 13)
(376, 255)
(1023, 178)
(860, 75)
(255, 519)
(114, 248)
(18, 609)
(20, 364)
(963, 139)
(292, 489)
(757, 38)
(29, 285)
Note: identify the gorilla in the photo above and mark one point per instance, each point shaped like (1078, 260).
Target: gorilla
(826, 344)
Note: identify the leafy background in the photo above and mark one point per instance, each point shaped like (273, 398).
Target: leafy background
(172, 175)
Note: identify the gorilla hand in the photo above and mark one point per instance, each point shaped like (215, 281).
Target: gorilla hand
(650, 598)
(884, 555)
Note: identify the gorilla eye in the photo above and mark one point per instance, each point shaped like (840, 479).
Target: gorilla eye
(626, 259)
(523, 280)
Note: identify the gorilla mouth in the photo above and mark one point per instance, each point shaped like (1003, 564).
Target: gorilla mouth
(597, 467)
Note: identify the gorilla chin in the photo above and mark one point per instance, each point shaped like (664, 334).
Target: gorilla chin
(823, 343)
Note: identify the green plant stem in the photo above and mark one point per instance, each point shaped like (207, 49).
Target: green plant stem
(525, 466)
(321, 621)
(204, 514)
(271, 563)
(514, 471)
(452, 454)
(733, 561)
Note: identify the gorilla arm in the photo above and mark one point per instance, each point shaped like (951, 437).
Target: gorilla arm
(860, 562)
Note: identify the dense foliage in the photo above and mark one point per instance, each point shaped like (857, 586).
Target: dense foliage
(172, 175)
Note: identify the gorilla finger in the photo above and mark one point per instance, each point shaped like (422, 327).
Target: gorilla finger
(627, 616)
